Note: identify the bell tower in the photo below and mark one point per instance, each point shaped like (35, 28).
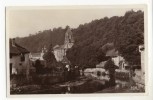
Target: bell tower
(69, 41)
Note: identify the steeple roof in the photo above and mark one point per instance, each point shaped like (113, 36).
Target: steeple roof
(69, 36)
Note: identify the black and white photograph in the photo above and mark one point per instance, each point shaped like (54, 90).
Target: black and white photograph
(76, 49)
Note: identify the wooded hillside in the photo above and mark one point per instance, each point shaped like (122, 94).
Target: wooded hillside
(126, 32)
(35, 43)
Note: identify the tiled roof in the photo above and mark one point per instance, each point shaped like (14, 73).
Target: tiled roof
(112, 53)
(109, 50)
(17, 49)
(58, 47)
(107, 46)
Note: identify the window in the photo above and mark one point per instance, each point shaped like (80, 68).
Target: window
(22, 57)
(20, 64)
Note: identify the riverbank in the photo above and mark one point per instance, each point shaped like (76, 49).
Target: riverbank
(55, 88)
(82, 84)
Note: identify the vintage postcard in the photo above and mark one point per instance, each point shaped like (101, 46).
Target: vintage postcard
(76, 50)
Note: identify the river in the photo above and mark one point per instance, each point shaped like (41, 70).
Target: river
(88, 83)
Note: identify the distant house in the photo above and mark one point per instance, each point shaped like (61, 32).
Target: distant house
(19, 59)
(116, 58)
(101, 64)
(39, 55)
(110, 51)
(60, 50)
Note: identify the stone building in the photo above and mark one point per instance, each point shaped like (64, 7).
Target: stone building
(38, 55)
(19, 59)
(110, 51)
(60, 50)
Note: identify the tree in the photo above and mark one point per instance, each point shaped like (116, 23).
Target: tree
(38, 66)
(50, 59)
(126, 32)
(35, 42)
(110, 66)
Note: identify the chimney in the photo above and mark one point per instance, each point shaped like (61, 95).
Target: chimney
(13, 42)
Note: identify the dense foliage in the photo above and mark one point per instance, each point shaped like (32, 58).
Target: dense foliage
(35, 43)
(126, 32)
(49, 58)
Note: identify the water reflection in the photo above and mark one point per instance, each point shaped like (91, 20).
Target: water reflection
(94, 75)
(119, 83)
(92, 82)
(96, 82)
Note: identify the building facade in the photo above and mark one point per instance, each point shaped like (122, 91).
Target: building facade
(39, 55)
(19, 59)
(60, 50)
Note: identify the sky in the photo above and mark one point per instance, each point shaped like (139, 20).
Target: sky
(22, 21)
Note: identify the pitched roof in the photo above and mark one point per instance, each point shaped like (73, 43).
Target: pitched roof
(112, 53)
(109, 50)
(16, 49)
(107, 46)
(69, 35)
(58, 47)
(101, 64)
(68, 31)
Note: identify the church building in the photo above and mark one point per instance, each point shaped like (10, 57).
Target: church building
(60, 50)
